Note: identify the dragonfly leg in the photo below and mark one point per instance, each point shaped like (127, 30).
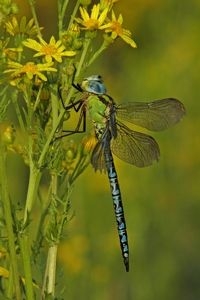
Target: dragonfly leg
(75, 105)
(78, 129)
(76, 85)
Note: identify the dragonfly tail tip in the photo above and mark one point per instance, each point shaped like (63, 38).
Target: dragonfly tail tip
(126, 262)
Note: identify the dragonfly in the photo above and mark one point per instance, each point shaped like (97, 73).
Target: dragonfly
(114, 137)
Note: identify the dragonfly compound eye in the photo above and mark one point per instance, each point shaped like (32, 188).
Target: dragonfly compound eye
(94, 84)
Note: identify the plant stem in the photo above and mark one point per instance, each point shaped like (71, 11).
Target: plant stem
(98, 52)
(24, 237)
(54, 105)
(50, 272)
(52, 256)
(74, 13)
(17, 109)
(9, 222)
(34, 179)
(9, 291)
(61, 14)
(83, 55)
(25, 252)
(31, 3)
(49, 278)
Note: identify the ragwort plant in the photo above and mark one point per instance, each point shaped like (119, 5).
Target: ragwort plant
(34, 73)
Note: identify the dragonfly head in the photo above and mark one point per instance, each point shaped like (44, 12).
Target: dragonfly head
(94, 84)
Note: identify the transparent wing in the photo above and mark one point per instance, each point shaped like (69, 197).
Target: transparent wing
(157, 115)
(97, 158)
(134, 147)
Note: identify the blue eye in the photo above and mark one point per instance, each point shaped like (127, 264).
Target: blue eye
(96, 87)
(94, 84)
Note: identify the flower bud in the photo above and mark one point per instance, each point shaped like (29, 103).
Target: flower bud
(7, 133)
(85, 2)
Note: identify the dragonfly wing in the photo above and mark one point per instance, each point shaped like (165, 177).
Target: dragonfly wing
(97, 158)
(134, 147)
(157, 115)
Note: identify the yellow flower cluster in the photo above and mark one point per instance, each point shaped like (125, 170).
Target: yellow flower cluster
(54, 51)
(98, 19)
(101, 17)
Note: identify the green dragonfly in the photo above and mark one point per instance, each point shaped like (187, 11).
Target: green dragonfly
(131, 146)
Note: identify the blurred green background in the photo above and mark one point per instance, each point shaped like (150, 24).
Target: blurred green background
(162, 202)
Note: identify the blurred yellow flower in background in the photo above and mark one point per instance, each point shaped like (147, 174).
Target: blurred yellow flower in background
(14, 27)
(73, 253)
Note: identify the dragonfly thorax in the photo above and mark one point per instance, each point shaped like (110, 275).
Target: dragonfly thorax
(99, 130)
(94, 84)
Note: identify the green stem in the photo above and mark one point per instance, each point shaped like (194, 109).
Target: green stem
(37, 101)
(61, 14)
(65, 211)
(31, 3)
(81, 166)
(9, 222)
(98, 52)
(34, 180)
(74, 13)
(26, 255)
(17, 110)
(50, 138)
(44, 203)
(69, 97)
(83, 55)
(54, 105)
(10, 283)
(35, 173)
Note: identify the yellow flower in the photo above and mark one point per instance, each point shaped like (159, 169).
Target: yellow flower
(116, 29)
(14, 27)
(29, 69)
(53, 50)
(95, 20)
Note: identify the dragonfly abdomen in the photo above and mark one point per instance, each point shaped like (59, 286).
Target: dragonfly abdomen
(118, 206)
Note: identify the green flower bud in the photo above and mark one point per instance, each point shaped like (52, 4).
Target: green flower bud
(85, 2)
